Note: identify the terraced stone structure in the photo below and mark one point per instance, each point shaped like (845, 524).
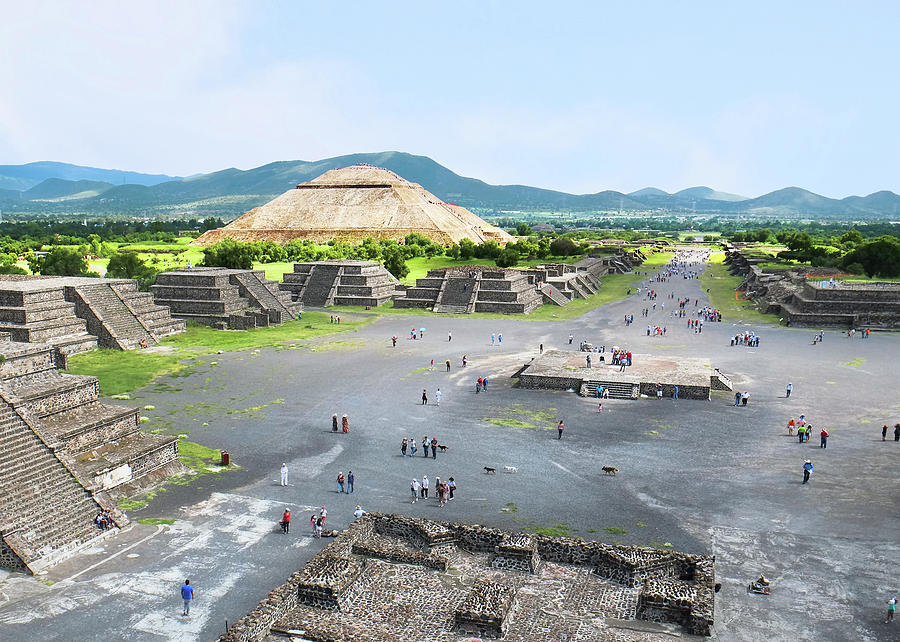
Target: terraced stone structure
(379, 582)
(76, 314)
(64, 455)
(326, 283)
(354, 203)
(818, 297)
(224, 298)
(473, 288)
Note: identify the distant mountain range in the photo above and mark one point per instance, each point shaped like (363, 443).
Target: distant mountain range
(60, 188)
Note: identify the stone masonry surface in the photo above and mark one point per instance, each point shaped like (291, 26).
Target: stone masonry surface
(378, 582)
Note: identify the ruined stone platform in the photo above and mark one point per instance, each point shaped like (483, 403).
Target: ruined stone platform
(564, 370)
(327, 283)
(76, 314)
(377, 582)
(224, 298)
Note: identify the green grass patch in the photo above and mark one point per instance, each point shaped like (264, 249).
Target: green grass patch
(155, 521)
(722, 288)
(508, 422)
(854, 363)
(510, 508)
(615, 530)
(640, 525)
(559, 530)
(121, 372)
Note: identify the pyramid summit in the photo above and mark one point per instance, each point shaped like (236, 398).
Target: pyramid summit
(352, 203)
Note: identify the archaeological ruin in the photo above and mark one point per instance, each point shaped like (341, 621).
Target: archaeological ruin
(326, 283)
(353, 203)
(380, 580)
(473, 288)
(76, 314)
(64, 457)
(569, 370)
(224, 298)
(817, 297)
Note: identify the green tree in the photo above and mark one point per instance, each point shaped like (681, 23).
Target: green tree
(394, 260)
(507, 258)
(60, 261)
(229, 253)
(523, 229)
(8, 264)
(563, 246)
(878, 257)
(130, 266)
(466, 249)
(452, 251)
(271, 252)
(487, 250)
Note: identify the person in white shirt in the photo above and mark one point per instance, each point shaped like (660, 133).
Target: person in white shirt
(437, 396)
(284, 474)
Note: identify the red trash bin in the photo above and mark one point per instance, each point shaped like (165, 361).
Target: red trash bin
(226, 458)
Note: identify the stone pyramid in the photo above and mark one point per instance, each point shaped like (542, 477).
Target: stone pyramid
(351, 203)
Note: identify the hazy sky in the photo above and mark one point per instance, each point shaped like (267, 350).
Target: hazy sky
(572, 96)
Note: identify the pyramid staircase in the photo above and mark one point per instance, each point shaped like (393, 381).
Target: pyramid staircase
(617, 389)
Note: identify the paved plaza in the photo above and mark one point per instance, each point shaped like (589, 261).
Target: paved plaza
(697, 476)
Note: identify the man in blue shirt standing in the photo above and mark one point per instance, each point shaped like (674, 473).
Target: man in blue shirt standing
(807, 469)
(187, 594)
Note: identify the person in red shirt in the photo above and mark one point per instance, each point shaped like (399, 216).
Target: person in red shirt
(823, 438)
(286, 521)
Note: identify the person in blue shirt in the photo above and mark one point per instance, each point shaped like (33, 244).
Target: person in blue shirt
(187, 594)
(807, 469)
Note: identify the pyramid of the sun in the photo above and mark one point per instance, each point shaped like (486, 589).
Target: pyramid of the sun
(352, 203)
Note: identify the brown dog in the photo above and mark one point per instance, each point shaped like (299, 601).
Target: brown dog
(610, 470)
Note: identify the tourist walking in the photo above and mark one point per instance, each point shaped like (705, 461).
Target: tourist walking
(448, 365)
(884, 432)
(284, 474)
(737, 399)
(790, 426)
(187, 595)
(823, 438)
(312, 524)
(434, 447)
(896, 432)
(425, 446)
(675, 393)
(286, 521)
(320, 524)
(449, 336)
(403, 445)
(451, 485)
(787, 390)
(437, 397)
(745, 398)
(500, 337)
(560, 427)
(412, 447)
(334, 423)
(323, 514)
(424, 397)
(588, 360)
(425, 486)
(414, 488)
(492, 339)
(340, 482)
(345, 424)
(807, 470)
(350, 479)
(892, 607)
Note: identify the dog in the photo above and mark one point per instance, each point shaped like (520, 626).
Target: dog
(610, 470)
(510, 469)
(488, 470)
(443, 448)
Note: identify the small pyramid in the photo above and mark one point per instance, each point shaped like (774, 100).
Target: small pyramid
(352, 203)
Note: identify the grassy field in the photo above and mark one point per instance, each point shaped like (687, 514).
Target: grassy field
(722, 288)
(122, 372)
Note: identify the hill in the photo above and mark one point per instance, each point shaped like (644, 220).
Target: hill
(23, 177)
(61, 188)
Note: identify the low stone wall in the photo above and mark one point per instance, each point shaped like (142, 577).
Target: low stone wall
(684, 392)
(483, 612)
(399, 554)
(538, 382)
(517, 553)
